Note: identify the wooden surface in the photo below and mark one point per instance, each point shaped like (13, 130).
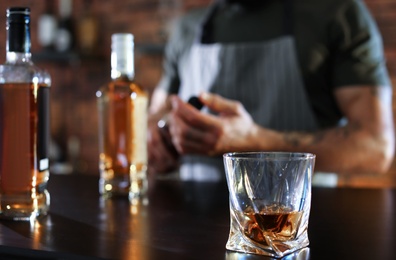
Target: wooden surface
(190, 221)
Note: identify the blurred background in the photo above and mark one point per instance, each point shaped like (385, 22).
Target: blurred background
(71, 39)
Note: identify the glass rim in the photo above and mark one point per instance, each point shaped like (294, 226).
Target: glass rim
(269, 155)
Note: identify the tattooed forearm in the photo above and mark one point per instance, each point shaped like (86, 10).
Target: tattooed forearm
(295, 139)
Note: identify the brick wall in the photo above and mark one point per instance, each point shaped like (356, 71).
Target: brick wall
(74, 119)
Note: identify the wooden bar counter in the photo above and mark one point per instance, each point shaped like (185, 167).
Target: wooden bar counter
(190, 221)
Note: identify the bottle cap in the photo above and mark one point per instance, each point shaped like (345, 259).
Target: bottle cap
(122, 42)
(18, 14)
(18, 29)
(122, 59)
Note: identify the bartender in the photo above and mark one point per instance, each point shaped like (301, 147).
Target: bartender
(276, 75)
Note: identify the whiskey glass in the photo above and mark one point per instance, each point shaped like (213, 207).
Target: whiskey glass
(270, 200)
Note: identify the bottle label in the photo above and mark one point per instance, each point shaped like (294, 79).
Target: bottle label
(140, 129)
(43, 127)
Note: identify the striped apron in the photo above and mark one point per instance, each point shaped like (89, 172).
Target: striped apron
(263, 76)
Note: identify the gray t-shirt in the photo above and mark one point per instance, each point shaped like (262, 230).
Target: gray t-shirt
(337, 44)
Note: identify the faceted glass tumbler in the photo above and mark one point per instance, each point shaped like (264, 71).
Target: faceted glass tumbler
(270, 200)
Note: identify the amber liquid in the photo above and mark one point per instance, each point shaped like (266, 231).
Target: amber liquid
(122, 109)
(24, 120)
(274, 223)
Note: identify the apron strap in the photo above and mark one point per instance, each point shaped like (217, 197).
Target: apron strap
(206, 29)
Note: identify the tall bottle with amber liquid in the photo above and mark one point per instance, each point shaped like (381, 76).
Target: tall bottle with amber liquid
(24, 125)
(123, 108)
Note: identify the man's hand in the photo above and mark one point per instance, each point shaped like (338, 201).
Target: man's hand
(162, 159)
(193, 132)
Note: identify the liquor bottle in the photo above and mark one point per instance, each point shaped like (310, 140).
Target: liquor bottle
(123, 108)
(24, 121)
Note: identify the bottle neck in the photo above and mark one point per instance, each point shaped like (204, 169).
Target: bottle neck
(122, 64)
(18, 36)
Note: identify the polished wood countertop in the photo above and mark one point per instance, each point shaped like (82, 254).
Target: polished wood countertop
(185, 220)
